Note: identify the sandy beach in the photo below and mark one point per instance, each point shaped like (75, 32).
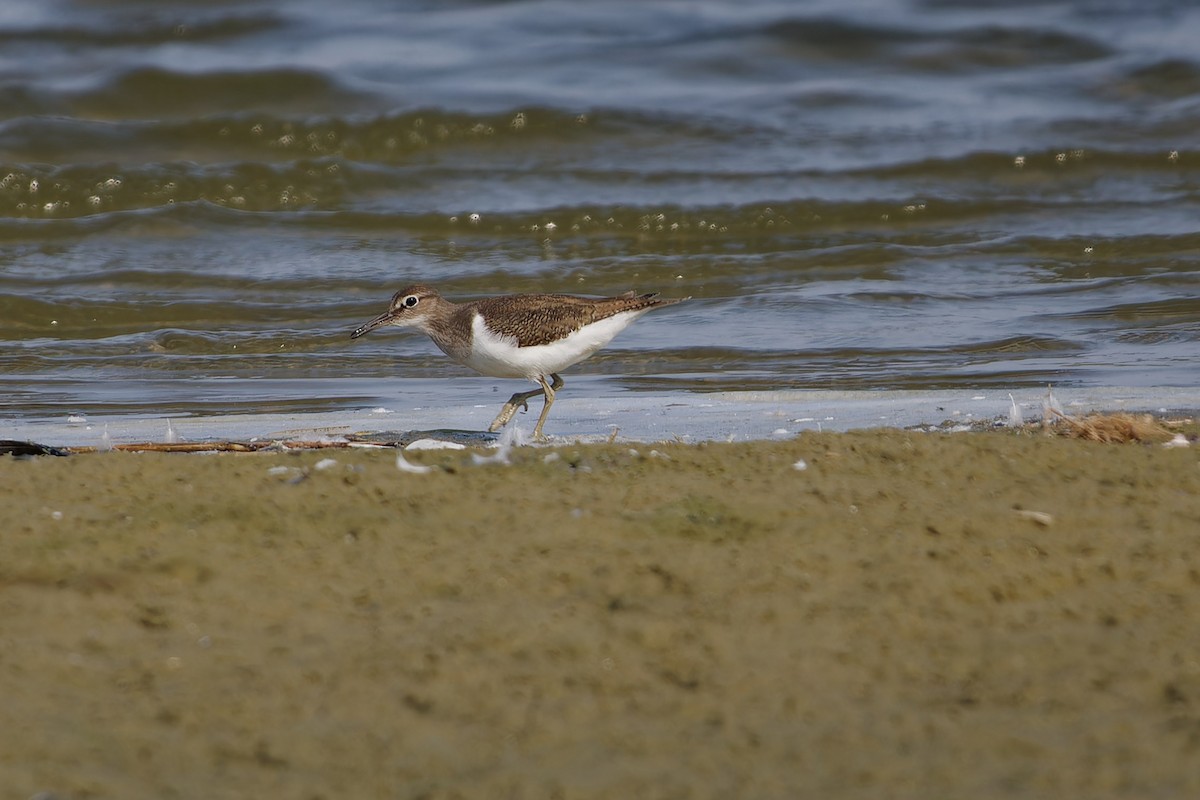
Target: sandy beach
(878, 613)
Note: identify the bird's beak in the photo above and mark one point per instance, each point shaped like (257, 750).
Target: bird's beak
(363, 330)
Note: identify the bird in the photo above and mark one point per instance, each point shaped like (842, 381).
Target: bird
(530, 336)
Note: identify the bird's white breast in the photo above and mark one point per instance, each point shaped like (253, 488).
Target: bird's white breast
(500, 357)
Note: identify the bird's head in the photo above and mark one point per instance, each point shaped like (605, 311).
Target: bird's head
(410, 307)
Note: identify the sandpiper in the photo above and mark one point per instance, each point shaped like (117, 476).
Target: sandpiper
(531, 336)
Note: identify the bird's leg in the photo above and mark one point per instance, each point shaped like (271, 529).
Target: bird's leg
(548, 390)
(520, 400)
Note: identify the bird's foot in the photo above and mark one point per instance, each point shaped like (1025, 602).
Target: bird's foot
(508, 412)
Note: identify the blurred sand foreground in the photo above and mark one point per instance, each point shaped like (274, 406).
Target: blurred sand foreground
(911, 615)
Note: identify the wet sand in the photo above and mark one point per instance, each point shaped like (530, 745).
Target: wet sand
(911, 615)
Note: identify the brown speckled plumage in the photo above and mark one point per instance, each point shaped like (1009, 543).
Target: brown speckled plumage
(535, 319)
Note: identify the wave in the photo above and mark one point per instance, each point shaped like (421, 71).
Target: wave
(263, 135)
(157, 93)
(353, 167)
(142, 29)
(1168, 78)
(933, 50)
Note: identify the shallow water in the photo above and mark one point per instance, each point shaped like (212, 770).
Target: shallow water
(199, 202)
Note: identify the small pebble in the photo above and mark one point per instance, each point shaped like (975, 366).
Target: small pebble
(1040, 517)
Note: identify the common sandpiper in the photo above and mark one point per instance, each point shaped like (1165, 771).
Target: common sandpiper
(531, 336)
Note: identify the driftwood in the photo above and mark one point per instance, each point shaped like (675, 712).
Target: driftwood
(20, 449)
(392, 439)
(208, 447)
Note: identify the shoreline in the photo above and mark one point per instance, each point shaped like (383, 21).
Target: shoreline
(636, 417)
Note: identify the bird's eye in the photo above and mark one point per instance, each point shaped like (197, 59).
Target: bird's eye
(410, 301)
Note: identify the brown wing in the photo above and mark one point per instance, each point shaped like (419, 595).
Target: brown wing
(535, 319)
